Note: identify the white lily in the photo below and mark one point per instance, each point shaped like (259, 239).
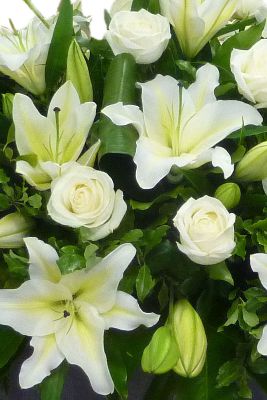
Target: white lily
(14, 228)
(195, 22)
(55, 141)
(180, 126)
(23, 55)
(67, 315)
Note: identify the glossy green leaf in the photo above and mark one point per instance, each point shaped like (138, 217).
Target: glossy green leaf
(144, 282)
(119, 86)
(51, 388)
(9, 344)
(220, 272)
(242, 40)
(59, 47)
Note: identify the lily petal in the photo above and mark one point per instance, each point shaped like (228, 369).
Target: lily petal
(46, 357)
(154, 162)
(72, 115)
(98, 286)
(35, 176)
(127, 315)
(262, 344)
(161, 107)
(88, 158)
(214, 122)
(202, 90)
(43, 260)
(126, 114)
(83, 344)
(29, 309)
(222, 159)
(258, 263)
(32, 130)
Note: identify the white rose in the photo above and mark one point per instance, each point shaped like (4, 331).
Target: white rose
(206, 230)
(140, 33)
(251, 8)
(85, 197)
(249, 69)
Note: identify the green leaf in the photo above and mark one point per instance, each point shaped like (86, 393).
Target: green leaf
(71, 262)
(220, 272)
(35, 201)
(51, 388)
(119, 86)
(117, 367)
(232, 315)
(229, 373)
(58, 50)
(144, 283)
(247, 131)
(187, 67)
(240, 248)
(9, 344)
(242, 40)
(152, 237)
(4, 202)
(3, 177)
(250, 318)
(133, 236)
(17, 266)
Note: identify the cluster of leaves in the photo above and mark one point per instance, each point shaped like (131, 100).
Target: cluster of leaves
(228, 297)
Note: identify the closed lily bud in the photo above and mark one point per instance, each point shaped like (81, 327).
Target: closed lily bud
(161, 354)
(7, 104)
(78, 73)
(229, 194)
(252, 167)
(191, 340)
(13, 229)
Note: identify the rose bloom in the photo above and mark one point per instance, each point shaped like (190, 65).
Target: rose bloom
(249, 69)
(140, 33)
(206, 230)
(85, 197)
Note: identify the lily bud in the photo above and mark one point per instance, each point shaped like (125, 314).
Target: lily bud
(229, 194)
(7, 104)
(161, 354)
(191, 340)
(13, 229)
(78, 73)
(252, 167)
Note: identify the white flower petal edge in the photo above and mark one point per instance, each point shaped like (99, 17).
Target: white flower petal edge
(258, 264)
(180, 126)
(67, 319)
(46, 357)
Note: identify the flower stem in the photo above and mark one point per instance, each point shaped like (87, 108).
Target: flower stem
(36, 12)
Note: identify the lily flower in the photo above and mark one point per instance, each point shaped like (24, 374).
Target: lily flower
(50, 144)
(195, 22)
(67, 315)
(23, 54)
(180, 126)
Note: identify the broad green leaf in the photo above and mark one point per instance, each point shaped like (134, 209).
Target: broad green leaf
(247, 131)
(117, 367)
(229, 372)
(17, 266)
(4, 202)
(61, 40)
(3, 176)
(119, 86)
(242, 40)
(9, 344)
(51, 388)
(144, 283)
(220, 272)
(35, 201)
(250, 318)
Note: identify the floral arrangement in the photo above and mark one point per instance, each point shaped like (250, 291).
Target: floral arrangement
(133, 182)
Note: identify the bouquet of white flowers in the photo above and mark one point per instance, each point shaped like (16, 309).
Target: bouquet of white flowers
(133, 183)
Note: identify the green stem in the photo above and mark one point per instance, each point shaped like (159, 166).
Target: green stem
(36, 12)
